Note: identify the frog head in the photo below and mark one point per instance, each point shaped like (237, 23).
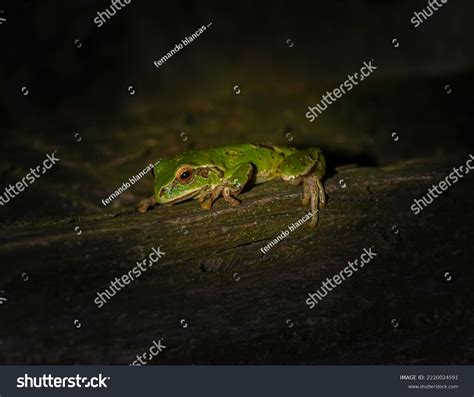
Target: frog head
(177, 181)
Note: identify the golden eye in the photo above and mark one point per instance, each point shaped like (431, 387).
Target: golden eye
(184, 174)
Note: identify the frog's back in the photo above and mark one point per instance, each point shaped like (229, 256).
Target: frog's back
(263, 156)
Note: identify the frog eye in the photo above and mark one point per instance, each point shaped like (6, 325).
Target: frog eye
(184, 175)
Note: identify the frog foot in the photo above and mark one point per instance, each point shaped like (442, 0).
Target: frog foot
(208, 199)
(314, 193)
(227, 192)
(145, 204)
(206, 204)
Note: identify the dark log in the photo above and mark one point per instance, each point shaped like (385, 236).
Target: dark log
(215, 298)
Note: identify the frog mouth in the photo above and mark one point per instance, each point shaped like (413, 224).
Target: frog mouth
(186, 196)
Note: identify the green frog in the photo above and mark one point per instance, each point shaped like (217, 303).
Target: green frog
(226, 170)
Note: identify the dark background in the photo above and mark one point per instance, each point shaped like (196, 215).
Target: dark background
(85, 91)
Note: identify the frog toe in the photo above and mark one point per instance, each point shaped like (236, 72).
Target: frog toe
(206, 205)
(229, 198)
(314, 220)
(307, 193)
(145, 204)
(315, 189)
(321, 193)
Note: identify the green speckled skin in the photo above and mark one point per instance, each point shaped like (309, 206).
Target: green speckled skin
(226, 170)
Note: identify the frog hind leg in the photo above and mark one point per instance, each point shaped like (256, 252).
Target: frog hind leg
(145, 204)
(309, 166)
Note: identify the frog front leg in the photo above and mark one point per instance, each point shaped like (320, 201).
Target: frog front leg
(235, 182)
(207, 198)
(231, 185)
(309, 166)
